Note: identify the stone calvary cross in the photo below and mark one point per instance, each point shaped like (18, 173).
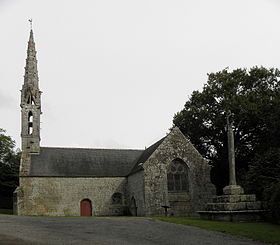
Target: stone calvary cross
(231, 153)
(232, 188)
(30, 21)
(233, 205)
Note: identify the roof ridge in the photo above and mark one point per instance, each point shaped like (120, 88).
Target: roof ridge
(145, 155)
(88, 148)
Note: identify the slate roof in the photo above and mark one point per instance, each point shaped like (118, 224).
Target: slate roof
(80, 162)
(145, 155)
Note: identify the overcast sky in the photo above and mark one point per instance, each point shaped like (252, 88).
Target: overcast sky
(114, 72)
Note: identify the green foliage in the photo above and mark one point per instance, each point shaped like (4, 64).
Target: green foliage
(263, 178)
(254, 99)
(9, 167)
(274, 202)
(258, 231)
(264, 171)
(6, 148)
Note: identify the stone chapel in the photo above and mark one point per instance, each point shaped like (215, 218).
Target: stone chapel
(168, 178)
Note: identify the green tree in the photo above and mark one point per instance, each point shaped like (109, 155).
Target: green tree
(263, 178)
(253, 96)
(9, 169)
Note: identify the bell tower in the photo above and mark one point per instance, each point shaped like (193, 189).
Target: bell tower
(30, 102)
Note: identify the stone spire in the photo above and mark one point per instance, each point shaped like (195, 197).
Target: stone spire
(31, 73)
(30, 102)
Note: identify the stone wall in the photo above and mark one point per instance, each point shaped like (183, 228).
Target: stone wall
(180, 204)
(62, 196)
(30, 142)
(135, 189)
(25, 162)
(201, 190)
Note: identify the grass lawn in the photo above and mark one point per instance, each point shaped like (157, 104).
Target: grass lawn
(259, 231)
(6, 211)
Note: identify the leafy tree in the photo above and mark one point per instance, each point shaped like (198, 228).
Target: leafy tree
(9, 168)
(263, 178)
(253, 96)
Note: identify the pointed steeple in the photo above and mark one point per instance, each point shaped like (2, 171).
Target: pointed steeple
(30, 101)
(31, 38)
(31, 73)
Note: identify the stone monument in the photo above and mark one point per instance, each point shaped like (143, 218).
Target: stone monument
(233, 205)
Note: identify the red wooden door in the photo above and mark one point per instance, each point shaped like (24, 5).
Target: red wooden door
(85, 207)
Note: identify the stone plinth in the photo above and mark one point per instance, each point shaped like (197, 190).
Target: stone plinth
(234, 205)
(233, 216)
(233, 190)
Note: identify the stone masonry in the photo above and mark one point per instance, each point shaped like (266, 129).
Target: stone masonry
(30, 102)
(168, 178)
(62, 196)
(233, 205)
(201, 190)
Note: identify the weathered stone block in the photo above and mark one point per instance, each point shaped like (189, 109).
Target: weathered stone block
(234, 206)
(178, 197)
(233, 190)
(219, 199)
(232, 216)
(234, 198)
(253, 205)
(227, 198)
(215, 206)
(248, 198)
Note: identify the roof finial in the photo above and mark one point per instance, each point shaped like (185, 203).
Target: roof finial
(30, 21)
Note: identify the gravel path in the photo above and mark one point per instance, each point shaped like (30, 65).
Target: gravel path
(21, 230)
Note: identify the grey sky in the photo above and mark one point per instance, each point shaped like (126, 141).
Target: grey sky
(113, 73)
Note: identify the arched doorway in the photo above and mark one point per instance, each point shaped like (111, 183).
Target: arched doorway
(133, 207)
(85, 207)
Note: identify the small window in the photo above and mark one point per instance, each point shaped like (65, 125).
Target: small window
(117, 198)
(30, 123)
(30, 100)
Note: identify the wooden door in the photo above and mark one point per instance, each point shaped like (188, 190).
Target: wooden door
(86, 209)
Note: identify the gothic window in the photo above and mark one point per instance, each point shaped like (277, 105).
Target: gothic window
(117, 198)
(177, 176)
(30, 123)
(30, 100)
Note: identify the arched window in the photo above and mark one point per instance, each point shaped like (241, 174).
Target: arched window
(30, 122)
(30, 100)
(117, 198)
(177, 176)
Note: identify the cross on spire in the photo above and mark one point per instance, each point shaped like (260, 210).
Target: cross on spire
(30, 21)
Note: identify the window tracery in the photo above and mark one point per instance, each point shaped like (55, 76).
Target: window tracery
(117, 198)
(30, 100)
(177, 176)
